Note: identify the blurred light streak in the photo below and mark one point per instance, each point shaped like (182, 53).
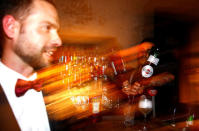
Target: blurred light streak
(135, 49)
(69, 86)
(60, 103)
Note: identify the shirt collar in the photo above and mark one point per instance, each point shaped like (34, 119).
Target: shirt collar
(16, 74)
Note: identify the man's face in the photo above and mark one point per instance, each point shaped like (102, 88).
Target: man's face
(38, 39)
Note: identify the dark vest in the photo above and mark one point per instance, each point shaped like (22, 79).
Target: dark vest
(7, 118)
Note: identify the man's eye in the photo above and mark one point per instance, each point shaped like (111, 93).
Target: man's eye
(46, 28)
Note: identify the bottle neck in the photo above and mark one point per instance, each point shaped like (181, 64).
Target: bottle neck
(153, 59)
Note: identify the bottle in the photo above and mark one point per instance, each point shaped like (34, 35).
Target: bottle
(189, 123)
(147, 69)
(190, 120)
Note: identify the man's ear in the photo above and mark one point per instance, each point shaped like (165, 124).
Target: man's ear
(9, 25)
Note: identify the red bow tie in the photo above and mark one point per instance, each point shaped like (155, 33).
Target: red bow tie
(22, 86)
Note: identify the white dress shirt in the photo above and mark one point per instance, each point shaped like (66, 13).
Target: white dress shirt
(29, 109)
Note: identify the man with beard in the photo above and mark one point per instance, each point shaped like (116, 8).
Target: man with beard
(28, 40)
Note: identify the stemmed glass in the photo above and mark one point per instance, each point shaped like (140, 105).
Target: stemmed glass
(145, 107)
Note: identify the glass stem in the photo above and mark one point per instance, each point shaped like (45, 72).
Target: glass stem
(130, 99)
(145, 120)
(145, 116)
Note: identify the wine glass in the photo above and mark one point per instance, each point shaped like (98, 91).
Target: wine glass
(145, 107)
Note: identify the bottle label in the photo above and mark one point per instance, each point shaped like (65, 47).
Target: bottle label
(147, 71)
(153, 60)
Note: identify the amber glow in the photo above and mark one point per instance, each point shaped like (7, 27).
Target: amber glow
(135, 49)
(71, 85)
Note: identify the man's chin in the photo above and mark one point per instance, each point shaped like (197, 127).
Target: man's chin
(42, 65)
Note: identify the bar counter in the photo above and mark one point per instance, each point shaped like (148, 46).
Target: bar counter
(116, 123)
(113, 120)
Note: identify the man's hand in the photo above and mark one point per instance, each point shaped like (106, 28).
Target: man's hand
(134, 89)
(154, 81)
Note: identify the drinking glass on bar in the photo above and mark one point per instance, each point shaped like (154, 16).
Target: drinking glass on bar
(145, 107)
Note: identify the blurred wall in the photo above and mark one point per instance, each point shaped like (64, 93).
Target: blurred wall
(189, 75)
(127, 21)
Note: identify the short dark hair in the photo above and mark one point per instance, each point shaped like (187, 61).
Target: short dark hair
(18, 8)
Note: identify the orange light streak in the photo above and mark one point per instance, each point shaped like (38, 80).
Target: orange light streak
(69, 86)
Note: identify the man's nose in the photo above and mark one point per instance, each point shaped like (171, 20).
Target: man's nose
(56, 40)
